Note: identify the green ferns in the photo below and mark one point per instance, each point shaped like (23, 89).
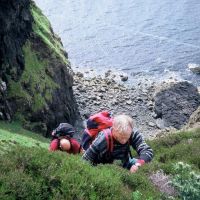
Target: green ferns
(42, 28)
(186, 181)
(34, 87)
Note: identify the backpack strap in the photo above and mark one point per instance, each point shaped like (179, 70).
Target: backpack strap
(129, 150)
(109, 140)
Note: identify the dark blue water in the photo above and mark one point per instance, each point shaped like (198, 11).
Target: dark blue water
(143, 38)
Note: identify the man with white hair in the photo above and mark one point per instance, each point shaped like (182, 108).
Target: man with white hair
(114, 144)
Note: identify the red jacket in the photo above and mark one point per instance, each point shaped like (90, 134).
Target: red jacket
(75, 146)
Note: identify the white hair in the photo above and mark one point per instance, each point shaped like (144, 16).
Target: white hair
(122, 123)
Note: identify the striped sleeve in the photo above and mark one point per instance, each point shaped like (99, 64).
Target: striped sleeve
(98, 147)
(143, 150)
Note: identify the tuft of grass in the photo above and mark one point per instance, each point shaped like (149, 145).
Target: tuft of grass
(42, 28)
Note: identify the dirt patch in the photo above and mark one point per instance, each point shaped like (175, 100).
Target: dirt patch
(163, 183)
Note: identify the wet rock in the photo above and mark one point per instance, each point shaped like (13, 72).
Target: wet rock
(194, 67)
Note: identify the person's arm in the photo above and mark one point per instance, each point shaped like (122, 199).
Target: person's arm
(86, 140)
(98, 147)
(143, 150)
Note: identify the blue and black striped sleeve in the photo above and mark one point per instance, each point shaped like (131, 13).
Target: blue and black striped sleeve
(143, 150)
(98, 147)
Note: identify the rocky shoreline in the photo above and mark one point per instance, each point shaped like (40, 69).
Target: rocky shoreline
(105, 93)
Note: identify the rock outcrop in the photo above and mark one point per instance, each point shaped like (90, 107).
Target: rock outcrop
(175, 102)
(194, 121)
(34, 69)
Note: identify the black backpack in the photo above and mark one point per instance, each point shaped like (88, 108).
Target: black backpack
(63, 130)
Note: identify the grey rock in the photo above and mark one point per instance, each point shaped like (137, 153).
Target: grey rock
(124, 78)
(160, 123)
(194, 67)
(154, 115)
(129, 102)
(3, 86)
(151, 124)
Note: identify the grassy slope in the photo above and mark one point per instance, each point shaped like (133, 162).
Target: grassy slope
(14, 134)
(68, 177)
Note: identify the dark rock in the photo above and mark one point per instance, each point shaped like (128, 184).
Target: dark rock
(124, 78)
(79, 74)
(174, 103)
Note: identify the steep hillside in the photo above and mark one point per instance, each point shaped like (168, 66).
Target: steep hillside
(29, 171)
(35, 77)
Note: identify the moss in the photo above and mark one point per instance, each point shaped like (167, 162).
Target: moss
(42, 28)
(34, 87)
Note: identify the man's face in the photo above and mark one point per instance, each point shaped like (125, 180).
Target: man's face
(122, 137)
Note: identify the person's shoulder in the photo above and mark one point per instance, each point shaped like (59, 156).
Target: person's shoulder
(100, 140)
(54, 145)
(101, 136)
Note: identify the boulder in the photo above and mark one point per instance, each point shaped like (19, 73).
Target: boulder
(175, 102)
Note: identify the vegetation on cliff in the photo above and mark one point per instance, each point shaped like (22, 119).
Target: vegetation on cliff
(39, 76)
(42, 28)
(40, 86)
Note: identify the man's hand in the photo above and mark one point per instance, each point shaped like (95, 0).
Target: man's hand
(135, 167)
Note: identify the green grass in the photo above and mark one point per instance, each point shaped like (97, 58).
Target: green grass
(183, 146)
(13, 133)
(42, 28)
(29, 172)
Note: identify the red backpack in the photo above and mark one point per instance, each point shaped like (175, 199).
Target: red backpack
(98, 122)
(95, 124)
